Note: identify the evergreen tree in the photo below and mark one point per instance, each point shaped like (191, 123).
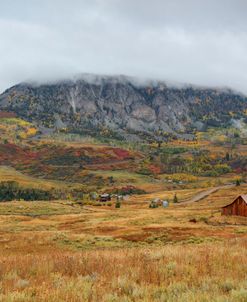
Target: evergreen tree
(118, 204)
(175, 199)
(227, 156)
(238, 182)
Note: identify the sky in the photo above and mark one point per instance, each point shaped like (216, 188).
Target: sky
(200, 42)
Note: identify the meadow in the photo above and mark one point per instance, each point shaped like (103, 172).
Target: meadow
(61, 251)
(74, 248)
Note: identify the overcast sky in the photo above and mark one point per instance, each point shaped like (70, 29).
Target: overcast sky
(193, 41)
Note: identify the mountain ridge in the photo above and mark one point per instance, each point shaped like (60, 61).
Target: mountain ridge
(123, 105)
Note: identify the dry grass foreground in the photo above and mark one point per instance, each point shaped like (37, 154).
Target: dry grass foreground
(208, 272)
(62, 252)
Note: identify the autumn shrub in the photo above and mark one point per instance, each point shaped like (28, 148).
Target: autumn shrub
(128, 190)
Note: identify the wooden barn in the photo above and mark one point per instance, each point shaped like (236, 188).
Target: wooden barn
(237, 207)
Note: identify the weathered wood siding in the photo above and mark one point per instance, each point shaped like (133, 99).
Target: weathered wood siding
(238, 207)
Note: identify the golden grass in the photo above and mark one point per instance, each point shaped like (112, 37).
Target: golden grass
(129, 254)
(208, 272)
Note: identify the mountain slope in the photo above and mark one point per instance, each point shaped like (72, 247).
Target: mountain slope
(120, 105)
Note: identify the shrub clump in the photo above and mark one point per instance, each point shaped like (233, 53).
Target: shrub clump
(128, 190)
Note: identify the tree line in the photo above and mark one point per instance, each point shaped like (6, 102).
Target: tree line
(11, 190)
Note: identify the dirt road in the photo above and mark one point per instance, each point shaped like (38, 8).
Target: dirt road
(206, 193)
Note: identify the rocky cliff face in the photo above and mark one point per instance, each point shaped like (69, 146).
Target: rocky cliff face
(121, 105)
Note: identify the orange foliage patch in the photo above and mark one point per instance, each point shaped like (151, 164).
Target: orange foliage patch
(154, 169)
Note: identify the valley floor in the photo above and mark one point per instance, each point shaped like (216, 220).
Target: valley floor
(61, 251)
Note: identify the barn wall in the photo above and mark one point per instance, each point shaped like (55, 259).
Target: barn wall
(239, 208)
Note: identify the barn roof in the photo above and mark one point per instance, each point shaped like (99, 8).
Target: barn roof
(244, 197)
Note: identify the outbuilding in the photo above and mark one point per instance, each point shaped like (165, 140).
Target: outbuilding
(105, 197)
(237, 207)
(165, 203)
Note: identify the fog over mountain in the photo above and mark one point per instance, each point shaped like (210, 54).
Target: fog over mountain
(126, 107)
(198, 42)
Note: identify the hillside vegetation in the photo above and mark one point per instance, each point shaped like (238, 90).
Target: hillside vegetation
(59, 242)
(58, 163)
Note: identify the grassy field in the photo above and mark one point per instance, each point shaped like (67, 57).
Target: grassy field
(60, 251)
(10, 174)
(206, 272)
(63, 250)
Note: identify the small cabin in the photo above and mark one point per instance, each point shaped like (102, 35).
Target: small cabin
(104, 197)
(237, 207)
